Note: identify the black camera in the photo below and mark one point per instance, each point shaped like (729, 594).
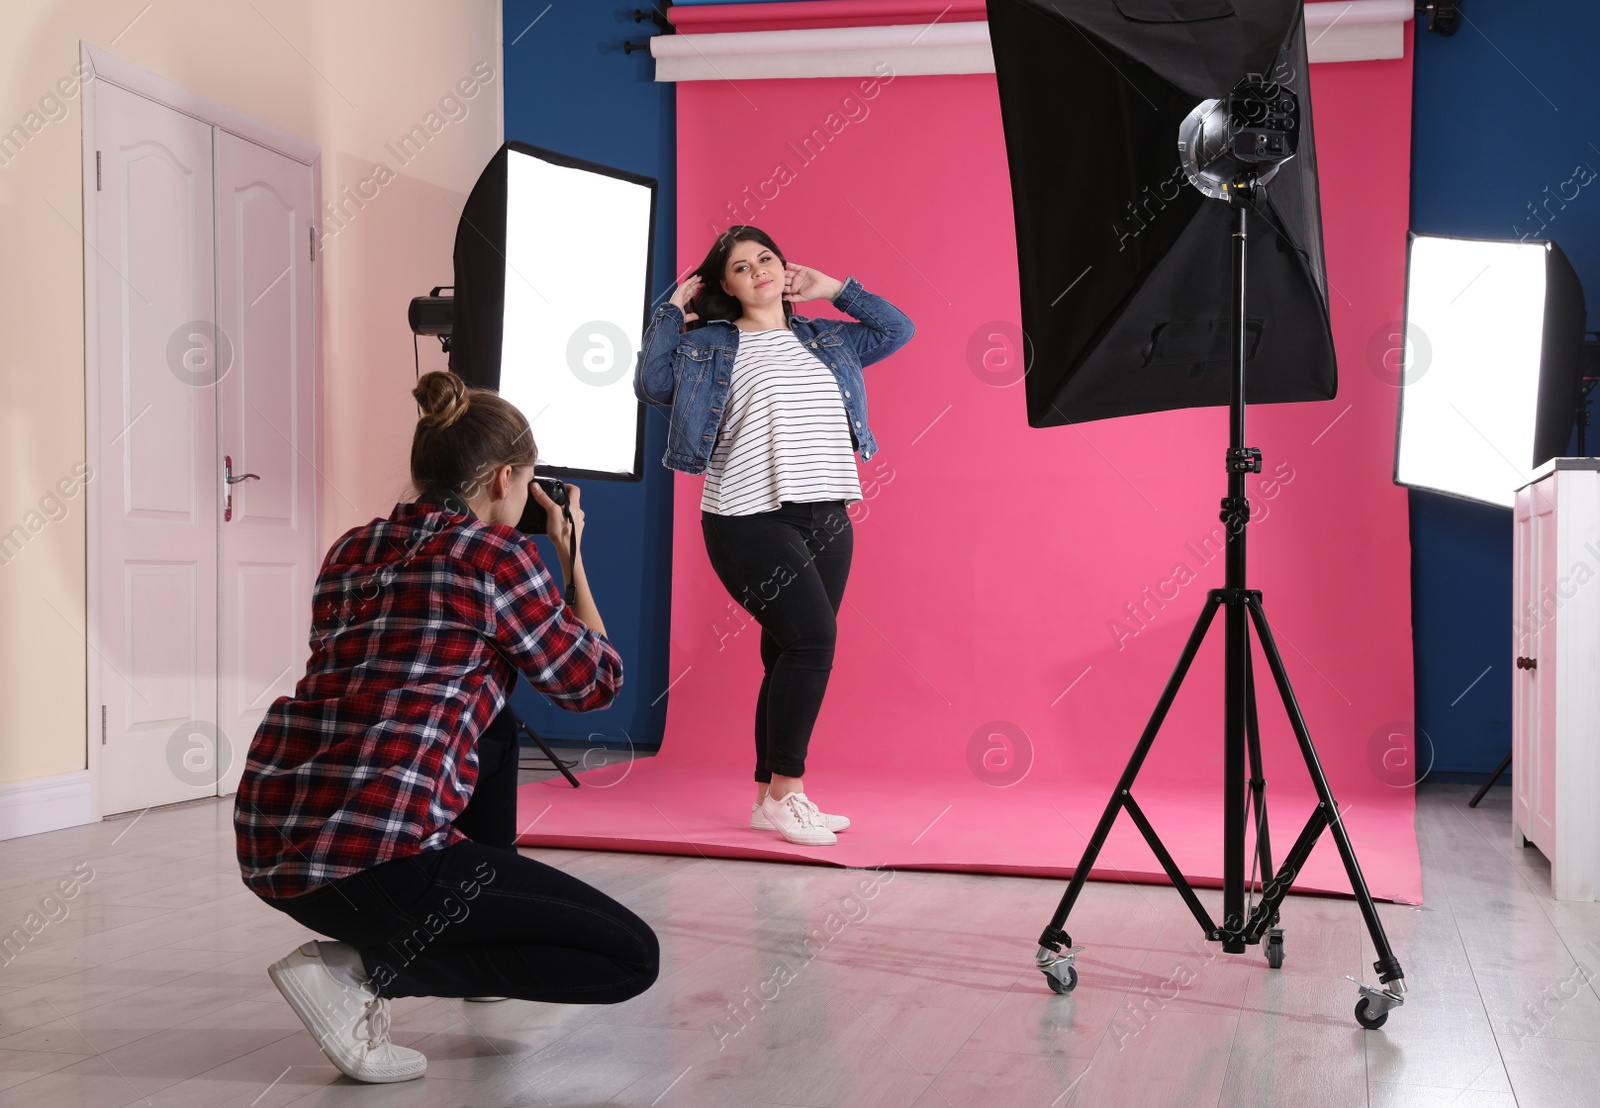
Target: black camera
(534, 519)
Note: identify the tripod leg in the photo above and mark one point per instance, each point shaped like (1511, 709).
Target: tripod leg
(1258, 782)
(1387, 965)
(1053, 935)
(1488, 782)
(548, 753)
(1258, 803)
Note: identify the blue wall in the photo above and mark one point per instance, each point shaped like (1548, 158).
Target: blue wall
(570, 88)
(1504, 111)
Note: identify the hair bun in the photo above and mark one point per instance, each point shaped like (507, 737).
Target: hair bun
(443, 398)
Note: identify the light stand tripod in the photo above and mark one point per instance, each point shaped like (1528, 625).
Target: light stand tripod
(1242, 609)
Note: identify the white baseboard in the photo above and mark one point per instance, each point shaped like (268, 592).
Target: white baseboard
(44, 804)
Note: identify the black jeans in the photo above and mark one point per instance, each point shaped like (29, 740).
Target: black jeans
(478, 919)
(787, 567)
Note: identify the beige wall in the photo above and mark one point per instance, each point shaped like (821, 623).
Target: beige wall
(351, 76)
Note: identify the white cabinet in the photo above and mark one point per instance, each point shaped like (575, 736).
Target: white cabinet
(1555, 765)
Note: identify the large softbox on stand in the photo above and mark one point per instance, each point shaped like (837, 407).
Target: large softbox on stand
(1174, 104)
(1124, 268)
(552, 295)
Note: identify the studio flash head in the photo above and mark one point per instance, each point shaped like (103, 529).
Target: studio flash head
(1241, 140)
(434, 315)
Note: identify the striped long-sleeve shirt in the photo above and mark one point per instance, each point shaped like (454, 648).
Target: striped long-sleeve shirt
(419, 624)
(784, 436)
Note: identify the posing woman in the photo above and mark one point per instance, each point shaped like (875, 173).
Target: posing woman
(771, 407)
(378, 805)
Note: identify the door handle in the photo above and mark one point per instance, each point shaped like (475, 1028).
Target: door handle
(228, 481)
(1527, 663)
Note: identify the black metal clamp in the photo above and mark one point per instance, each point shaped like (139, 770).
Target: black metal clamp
(655, 16)
(1443, 16)
(1235, 512)
(1246, 459)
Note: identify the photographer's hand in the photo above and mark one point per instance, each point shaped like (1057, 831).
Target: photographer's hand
(563, 533)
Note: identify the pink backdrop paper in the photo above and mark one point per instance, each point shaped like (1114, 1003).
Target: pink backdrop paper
(990, 681)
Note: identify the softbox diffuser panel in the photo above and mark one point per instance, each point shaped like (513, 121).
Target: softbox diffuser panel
(1493, 335)
(1124, 267)
(552, 271)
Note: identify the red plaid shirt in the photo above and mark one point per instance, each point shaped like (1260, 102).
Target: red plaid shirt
(416, 624)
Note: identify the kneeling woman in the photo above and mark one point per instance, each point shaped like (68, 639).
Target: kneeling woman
(378, 805)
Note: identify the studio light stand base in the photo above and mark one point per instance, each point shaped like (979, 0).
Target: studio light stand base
(1372, 1010)
(1058, 968)
(1243, 925)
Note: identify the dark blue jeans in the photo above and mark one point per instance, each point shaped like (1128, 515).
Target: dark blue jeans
(479, 919)
(788, 568)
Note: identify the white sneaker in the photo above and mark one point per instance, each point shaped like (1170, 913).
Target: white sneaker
(798, 820)
(760, 822)
(351, 1025)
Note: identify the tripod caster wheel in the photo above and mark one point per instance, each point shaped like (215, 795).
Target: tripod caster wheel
(1275, 952)
(1059, 986)
(1371, 1023)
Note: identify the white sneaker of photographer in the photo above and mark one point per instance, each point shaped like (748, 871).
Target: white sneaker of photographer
(349, 1023)
(759, 821)
(798, 820)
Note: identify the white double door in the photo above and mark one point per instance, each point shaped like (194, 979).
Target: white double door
(201, 256)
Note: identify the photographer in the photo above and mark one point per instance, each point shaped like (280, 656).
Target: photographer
(378, 805)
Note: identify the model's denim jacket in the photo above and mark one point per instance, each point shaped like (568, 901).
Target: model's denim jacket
(692, 372)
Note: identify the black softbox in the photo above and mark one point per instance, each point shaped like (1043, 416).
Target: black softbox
(480, 261)
(1123, 265)
(552, 295)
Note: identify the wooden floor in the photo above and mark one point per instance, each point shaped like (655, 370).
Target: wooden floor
(148, 986)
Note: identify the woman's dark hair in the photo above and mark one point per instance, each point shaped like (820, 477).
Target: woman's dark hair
(465, 435)
(712, 302)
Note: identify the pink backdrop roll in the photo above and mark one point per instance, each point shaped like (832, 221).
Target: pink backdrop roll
(989, 658)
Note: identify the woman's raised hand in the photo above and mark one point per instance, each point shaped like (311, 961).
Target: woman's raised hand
(689, 290)
(804, 283)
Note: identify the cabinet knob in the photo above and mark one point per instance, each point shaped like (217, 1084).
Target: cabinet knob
(1527, 663)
